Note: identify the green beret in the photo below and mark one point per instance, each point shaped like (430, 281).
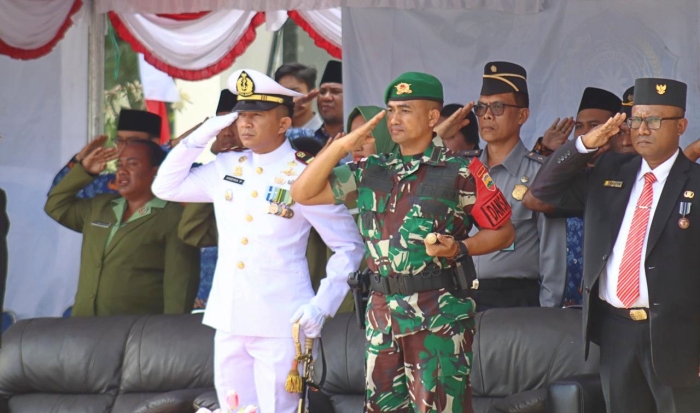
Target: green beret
(414, 86)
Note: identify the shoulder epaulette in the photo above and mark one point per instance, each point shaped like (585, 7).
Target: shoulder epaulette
(303, 157)
(470, 154)
(536, 157)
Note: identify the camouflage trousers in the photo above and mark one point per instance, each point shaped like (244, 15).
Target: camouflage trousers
(427, 371)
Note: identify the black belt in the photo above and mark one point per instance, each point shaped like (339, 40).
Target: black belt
(635, 314)
(410, 284)
(503, 283)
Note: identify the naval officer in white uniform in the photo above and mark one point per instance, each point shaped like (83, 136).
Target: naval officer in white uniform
(261, 283)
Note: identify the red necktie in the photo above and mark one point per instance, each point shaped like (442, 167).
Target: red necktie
(628, 279)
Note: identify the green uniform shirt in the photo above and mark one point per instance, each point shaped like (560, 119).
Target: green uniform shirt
(399, 204)
(119, 207)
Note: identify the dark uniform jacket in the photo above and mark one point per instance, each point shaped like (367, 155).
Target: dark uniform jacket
(672, 260)
(145, 269)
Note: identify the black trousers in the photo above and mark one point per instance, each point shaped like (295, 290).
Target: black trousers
(521, 296)
(629, 382)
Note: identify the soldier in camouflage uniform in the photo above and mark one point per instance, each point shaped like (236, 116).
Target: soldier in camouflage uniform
(420, 325)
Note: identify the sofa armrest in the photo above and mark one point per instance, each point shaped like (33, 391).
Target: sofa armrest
(532, 401)
(208, 400)
(577, 394)
(178, 401)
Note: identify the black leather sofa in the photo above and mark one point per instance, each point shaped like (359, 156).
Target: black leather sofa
(109, 364)
(526, 360)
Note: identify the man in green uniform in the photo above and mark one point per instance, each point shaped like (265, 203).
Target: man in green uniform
(420, 324)
(132, 261)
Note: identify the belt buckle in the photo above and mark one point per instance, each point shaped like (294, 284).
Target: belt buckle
(638, 315)
(475, 284)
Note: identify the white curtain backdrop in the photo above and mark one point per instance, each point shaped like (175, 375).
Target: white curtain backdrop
(43, 123)
(189, 44)
(170, 6)
(568, 46)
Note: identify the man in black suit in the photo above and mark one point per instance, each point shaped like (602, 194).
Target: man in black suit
(641, 262)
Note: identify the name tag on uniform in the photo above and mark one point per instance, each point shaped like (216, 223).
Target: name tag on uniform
(233, 179)
(101, 224)
(510, 248)
(613, 184)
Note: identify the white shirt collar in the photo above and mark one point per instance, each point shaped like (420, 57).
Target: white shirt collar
(660, 172)
(274, 156)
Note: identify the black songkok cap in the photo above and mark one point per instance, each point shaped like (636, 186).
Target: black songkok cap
(227, 101)
(594, 98)
(628, 101)
(139, 121)
(333, 73)
(655, 91)
(503, 77)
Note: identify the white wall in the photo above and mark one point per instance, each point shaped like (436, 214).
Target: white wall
(43, 123)
(568, 46)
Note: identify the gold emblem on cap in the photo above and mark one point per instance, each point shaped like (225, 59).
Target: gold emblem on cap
(403, 89)
(689, 194)
(660, 89)
(494, 68)
(519, 192)
(244, 85)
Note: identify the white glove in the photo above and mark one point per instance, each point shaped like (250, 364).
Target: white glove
(310, 318)
(209, 129)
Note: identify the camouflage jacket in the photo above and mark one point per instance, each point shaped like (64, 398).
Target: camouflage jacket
(399, 204)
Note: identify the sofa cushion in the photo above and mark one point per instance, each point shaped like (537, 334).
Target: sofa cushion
(533, 401)
(207, 400)
(344, 351)
(64, 355)
(62, 403)
(520, 349)
(171, 402)
(168, 352)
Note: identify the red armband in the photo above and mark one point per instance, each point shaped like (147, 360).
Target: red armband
(491, 209)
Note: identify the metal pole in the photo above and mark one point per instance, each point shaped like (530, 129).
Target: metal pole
(96, 64)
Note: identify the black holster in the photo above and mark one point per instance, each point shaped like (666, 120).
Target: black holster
(465, 273)
(359, 284)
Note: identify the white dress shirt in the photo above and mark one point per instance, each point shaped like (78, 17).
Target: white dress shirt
(608, 279)
(262, 275)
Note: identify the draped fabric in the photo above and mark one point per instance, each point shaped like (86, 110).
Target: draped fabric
(196, 46)
(190, 49)
(324, 27)
(170, 6)
(31, 29)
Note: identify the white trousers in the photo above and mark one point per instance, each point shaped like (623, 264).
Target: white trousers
(257, 368)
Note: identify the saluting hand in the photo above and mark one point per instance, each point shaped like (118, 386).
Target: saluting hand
(558, 133)
(446, 247)
(601, 134)
(98, 142)
(96, 161)
(355, 139)
(450, 126)
(300, 101)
